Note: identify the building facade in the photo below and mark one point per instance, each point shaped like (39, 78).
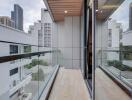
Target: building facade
(17, 16)
(43, 28)
(14, 72)
(47, 24)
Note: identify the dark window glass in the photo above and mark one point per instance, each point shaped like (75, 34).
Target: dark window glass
(13, 71)
(13, 49)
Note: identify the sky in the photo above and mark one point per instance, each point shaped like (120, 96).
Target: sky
(31, 10)
(121, 15)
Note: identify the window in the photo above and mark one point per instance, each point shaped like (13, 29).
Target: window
(13, 49)
(2, 21)
(13, 71)
(110, 38)
(27, 49)
(47, 34)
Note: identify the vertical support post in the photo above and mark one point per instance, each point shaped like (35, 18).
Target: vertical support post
(93, 47)
(85, 39)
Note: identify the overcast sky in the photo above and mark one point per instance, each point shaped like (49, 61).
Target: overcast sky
(31, 10)
(121, 15)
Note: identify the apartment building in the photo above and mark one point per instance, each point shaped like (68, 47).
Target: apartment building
(14, 71)
(36, 29)
(114, 37)
(43, 28)
(17, 16)
(47, 25)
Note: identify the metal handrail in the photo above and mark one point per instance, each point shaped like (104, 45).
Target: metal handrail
(20, 56)
(117, 51)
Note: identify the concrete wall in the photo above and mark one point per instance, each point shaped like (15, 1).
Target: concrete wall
(66, 38)
(101, 41)
(82, 42)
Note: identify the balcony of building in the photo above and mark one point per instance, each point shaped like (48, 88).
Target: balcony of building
(67, 70)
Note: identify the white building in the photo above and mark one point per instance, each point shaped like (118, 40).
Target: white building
(36, 29)
(44, 29)
(107, 41)
(13, 72)
(43, 32)
(127, 42)
(114, 35)
(114, 32)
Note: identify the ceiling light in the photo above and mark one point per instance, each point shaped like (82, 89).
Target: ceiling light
(65, 11)
(97, 10)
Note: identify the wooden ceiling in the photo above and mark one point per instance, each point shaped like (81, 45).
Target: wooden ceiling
(58, 8)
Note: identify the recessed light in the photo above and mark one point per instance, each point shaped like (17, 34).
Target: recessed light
(65, 11)
(97, 10)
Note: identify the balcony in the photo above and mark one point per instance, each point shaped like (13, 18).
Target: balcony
(70, 63)
(69, 85)
(107, 89)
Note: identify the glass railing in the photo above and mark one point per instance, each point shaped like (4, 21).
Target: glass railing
(119, 63)
(113, 41)
(26, 70)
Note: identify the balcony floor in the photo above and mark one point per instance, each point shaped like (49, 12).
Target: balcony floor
(69, 85)
(106, 89)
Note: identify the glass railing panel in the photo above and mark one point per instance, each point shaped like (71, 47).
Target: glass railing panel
(31, 74)
(126, 72)
(111, 61)
(113, 41)
(27, 70)
(118, 62)
(45, 68)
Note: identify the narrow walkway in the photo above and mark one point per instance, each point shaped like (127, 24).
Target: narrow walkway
(69, 85)
(106, 89)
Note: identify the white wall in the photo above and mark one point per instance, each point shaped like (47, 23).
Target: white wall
(115, 27)
(45, 16)
(101, 41)
(4, 79)
(127, 38)
(12, 35)
(67, 39)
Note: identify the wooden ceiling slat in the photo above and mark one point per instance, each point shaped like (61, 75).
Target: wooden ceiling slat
(65, 1)
(67, 10)
(58, 7)
(66, 6)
